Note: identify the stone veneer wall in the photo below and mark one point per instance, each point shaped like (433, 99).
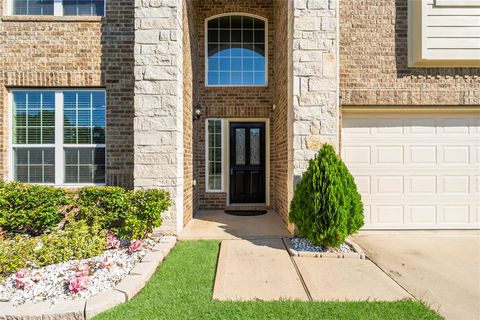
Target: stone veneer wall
(66, 52)
(315, 80)
(190, 98)
(374, 62)
(282, 130)
(231, 102)
(158, 121)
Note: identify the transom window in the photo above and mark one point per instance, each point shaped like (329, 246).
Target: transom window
(58, 137)
(236, 51)
(58, 7)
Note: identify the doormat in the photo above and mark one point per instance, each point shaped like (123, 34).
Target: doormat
(246, 213)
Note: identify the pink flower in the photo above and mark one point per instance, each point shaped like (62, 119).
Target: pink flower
(107, 263)
(112, 241)
(78, 282)
(83, 268)
(22, 273)
(135, 246)
(37, 276)
(23, 283)
(22, 279)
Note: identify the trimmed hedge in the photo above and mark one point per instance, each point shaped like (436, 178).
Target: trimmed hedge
(32, 209)
(326, 206)
(130, 214)
(35, 209)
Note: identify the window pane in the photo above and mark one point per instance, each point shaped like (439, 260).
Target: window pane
(34, 165)
(83, 7)
(214, 154)
(84, 117)
(33, 7)
(33, 117)
(233, 42)
(84, 165)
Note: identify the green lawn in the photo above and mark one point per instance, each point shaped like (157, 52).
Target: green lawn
(182, 289)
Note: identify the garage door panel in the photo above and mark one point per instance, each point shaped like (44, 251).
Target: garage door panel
(422, 155)
(389, 214)
(422, 214)
(456, 184)
(415, 171)
(423, 185)
(390, 185)
(357, 154)
(455, 214)
(389, 154)
(453, 154)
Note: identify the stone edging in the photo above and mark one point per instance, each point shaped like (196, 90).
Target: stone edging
(87, 308)
(359, 254)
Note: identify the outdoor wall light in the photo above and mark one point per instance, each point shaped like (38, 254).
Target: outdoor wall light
(197, 112)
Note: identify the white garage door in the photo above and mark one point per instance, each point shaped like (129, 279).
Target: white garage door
(415, 170)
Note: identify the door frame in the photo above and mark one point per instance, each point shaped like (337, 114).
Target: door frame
(226, 131)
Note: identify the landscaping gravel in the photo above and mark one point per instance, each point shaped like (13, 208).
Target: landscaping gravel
(303, 244)
(54, 279)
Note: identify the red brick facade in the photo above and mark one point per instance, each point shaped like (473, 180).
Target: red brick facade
(63, 52)
(374, 61)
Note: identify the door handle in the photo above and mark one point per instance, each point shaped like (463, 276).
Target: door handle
(231, 171)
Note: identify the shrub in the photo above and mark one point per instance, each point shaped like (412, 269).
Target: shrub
(326, 206)
(33, 209)
(77, 241)
(106, 206)
(145, 214)
(16, 253)
(130, 214)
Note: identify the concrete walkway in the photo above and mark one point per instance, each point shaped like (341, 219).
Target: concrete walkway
(439, 267)
(262, 269)
(257, 269)
(216, 224)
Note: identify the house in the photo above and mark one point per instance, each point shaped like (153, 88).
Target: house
(223, 102)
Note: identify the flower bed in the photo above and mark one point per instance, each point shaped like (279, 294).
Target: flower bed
(75, 278)
(58, 244)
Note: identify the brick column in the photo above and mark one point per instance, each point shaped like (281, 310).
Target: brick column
(158, 121)
(315, 79)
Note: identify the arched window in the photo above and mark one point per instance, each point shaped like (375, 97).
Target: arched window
(236, 51)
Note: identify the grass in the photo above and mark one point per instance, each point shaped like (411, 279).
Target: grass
(182, 289)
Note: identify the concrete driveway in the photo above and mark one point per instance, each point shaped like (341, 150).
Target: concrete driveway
(441, 268)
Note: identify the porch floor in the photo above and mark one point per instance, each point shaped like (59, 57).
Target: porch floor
(217, 225)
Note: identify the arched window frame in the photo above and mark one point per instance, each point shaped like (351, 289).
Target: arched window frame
(265, 20)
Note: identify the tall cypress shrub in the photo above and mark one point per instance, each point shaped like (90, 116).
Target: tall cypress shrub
(326, 206)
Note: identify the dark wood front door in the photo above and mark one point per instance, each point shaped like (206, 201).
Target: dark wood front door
(247, 162)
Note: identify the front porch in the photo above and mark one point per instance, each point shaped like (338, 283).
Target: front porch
(216, 224)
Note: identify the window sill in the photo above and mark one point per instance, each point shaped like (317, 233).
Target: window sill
(54, 18)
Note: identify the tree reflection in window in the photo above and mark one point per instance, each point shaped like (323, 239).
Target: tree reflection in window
(236, 51)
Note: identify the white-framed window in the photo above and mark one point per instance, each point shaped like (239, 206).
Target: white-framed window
(236, 50)
(214, 158)
(57, 7)
(58, 136)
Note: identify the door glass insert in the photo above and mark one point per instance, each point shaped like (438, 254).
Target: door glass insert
(255, 146)
(240, 146)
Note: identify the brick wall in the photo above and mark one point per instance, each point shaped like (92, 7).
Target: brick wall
(190, 98)
(75, 52)
(230, 102)
(281, 130)
(373, 61)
